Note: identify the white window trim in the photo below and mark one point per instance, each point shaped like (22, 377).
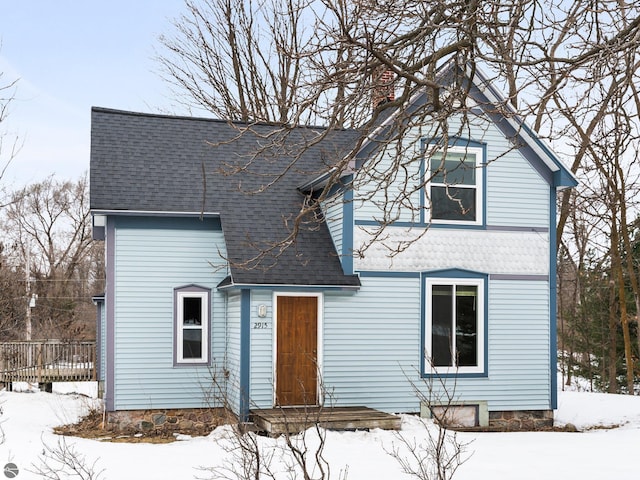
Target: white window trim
(480, 163)
(480, 284)
(204, 295)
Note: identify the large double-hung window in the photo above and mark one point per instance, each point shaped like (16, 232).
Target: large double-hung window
(455, 185)
(454, 340)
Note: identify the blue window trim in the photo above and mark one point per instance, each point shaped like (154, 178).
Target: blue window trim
(500, 228)
(462, 142)
(453, 274)
(388, 274)
(192, 288)
(420, 224)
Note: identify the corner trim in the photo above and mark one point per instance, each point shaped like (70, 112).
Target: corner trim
(553, 292)
(98, 301)
(245, 354)
(110, 377)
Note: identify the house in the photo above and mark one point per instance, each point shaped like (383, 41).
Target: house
(209, 302)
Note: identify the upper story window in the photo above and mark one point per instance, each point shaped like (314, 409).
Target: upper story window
(455, 185)
(192, 324)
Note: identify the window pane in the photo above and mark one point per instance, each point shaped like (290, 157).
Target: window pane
(457, 169)
(467, 325)
(191, 343)
(192, 311)
(453, 203)
(441, 316)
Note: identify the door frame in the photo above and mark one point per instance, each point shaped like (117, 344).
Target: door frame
(319, 340)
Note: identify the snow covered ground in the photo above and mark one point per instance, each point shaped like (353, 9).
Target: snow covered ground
(594, 453)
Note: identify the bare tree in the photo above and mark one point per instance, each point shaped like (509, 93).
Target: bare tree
(547, 54)
(9, 142)
(10, 274)
(240, 60)
(569, 68)
(64, 461)
(48, 224)
(12, 299)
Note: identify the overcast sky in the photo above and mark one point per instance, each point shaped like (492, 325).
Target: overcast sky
(70, 55)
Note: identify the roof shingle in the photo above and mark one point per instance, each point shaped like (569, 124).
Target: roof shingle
(176, 165)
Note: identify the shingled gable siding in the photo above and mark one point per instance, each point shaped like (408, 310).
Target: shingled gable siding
(153, 256)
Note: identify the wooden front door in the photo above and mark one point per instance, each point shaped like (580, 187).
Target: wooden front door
(297, 351)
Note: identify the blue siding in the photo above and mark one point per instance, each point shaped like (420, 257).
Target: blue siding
(153, 256)
(333, 214)
(262, 350)
(233, 349)
(372, 348)
(374, 186)
(518, 350)
(516, 194)
(372, 344)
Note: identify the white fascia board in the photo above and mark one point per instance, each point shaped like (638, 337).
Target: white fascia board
(519, 126)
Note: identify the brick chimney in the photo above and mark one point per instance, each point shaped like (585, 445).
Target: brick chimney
(383, 88)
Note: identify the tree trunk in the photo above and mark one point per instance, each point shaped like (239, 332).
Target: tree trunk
(616, 265)
(613, 335)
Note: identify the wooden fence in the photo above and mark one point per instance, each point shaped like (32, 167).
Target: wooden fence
(46, 361)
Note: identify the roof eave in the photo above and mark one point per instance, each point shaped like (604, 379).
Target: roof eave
(563, 177)
(153, 213)
(227, 285)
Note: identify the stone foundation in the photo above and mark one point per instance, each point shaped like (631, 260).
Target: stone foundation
(521, 420)
(201, 421)
(191, 421)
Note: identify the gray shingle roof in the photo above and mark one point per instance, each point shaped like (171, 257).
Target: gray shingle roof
(145, 162)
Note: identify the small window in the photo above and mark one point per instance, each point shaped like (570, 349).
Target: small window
(192, 310)
(455, 186)
(455, 325)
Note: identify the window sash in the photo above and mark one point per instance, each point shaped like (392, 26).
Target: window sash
(454, 341)
(455, 186)
(456, 168)
(192, 327)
